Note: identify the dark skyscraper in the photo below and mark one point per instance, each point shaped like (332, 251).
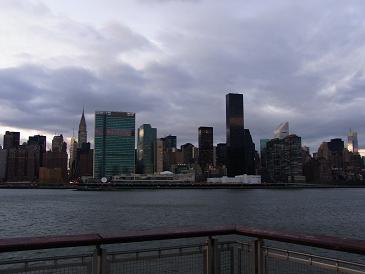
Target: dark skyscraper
(58, 145)
(82, 138)
(221, 155)
(39, 140)
(11, 139)
(249, 150)
(235, 134)
(205, 140)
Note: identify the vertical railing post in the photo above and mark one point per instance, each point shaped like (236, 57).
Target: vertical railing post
(258, 257)
(99, 261)
(212, 257)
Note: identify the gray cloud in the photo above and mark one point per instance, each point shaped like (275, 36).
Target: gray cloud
(302, 62)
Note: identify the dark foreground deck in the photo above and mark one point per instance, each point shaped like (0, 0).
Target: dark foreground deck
(226, 249)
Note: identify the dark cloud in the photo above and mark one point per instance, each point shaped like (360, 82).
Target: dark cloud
(297, 62)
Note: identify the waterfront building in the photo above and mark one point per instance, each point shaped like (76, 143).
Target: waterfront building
(205, 140)
(188, 153)
(73, 152)
(352, 143)
(82, 134)
(33, 161)
(234, 134)
(52, 176)
(159, 153)
(221, 155)
(56, 160)
(282, 131)
(16, 166)
(3, 164)
(249, 153)
(284, 159)
(84, 161)
(169, 142)
(58, 144)
(114, 152)
(145, 148)
(73, 155)
(169, 147)
(38, 140)
(11, 139)
(41, 141)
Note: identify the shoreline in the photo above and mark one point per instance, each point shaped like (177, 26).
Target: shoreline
(119, 187)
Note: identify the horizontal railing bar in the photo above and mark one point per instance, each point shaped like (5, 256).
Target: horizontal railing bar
(151, 257)
(318, 264)
(175, 247)
(325, 242)
(331, 243)
(313, 256)
(43, 268)
(48, 259)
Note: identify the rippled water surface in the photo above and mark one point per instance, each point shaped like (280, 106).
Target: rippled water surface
(338, 212)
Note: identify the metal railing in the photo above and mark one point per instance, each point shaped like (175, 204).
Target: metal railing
(247, 251)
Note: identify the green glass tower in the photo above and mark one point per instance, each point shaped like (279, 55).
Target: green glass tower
(114, 152)
(145, 148)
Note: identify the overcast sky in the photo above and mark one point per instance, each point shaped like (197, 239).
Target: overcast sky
(173, 61)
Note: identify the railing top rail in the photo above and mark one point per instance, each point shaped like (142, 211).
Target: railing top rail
(320, 241)
(47, 242)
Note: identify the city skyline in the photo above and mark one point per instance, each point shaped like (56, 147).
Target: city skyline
(83, 124)
(179, 65)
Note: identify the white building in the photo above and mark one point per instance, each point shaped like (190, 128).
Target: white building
(282, 131)
(241, 179)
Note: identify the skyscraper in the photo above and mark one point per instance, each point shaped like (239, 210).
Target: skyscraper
(284, 159)
(114, 152)
(353, 144)
(282, 131)
(235, 134)
(158, 150)
(249, 150)
(11, 139)
(82, 138)
(221, 154)
(205, 140)
(145, 148)
(169, 148)
(73, 153)
(58, 144)
(38, 140)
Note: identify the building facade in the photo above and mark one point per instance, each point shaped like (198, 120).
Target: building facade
(352, 143)
(82, 134)
(114, 152)
(284, 159)
(11, 139)
(145, 148)
(159, 152)
(282, 131)
(205, 141)
(234, 134)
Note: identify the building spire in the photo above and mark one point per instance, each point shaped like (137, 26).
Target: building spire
(82, 138)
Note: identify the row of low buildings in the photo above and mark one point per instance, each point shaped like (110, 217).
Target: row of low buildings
(31, 162)
(284, 159)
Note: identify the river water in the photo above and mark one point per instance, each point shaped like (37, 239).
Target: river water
(35, 212)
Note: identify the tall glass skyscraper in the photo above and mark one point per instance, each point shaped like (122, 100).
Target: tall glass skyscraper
(235, 134)
(114, 152)
(145, 148)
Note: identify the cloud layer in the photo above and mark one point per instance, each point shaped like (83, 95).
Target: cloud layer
(174, 61)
